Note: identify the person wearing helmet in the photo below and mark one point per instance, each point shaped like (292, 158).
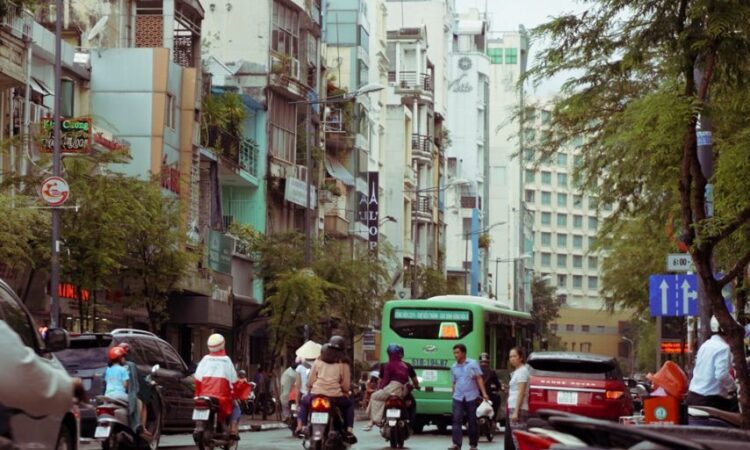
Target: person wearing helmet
(712, 385)
(286, 382)
(330, 376)
(116, 377)
(136, 388)
(216, 377)
(491, 381)
(395, 376)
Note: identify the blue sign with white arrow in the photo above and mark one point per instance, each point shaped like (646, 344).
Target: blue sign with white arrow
(676, 295)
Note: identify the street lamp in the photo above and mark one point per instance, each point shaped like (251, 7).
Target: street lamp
(499, 260)
(345, 97)
(631, 353)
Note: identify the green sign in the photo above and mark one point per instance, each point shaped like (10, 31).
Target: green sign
(220, 252)
(432, 314)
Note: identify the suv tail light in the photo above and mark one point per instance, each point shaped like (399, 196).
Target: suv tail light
(105, 410)
(321, 404)
(613, 395)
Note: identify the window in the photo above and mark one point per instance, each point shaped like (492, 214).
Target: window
(546, 218)
(528, 155)
(592, 242)
(562, 240)
(585, 329)
(17, 319)
(529, 176)
(171, 359)
(562, 220)
(562, 281)
(577, 241)
(593, 283)
(578, 141)
(586, 347)
(593, 223)
(577, 201)
(511, 56)
(569, 327)
(593, 203)
(546, 116)
(283, 130)
(553, 327)
(593, 262)
(433, 323)
(562, 200)
(546, 198)
(546, 239)
(562, 179)
(496, 55)
(562, 261)
(466, 232)
(578, 261)
(577, 282)
(67, 98)
(170, 116)
(577, 221)
(529, 195)
(546, 259)
(546, 177)
(562, 159)
(150, 351)
(285, 35)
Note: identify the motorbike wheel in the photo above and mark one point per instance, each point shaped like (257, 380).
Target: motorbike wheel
(442, 427)
(112, 443)
(394, 437)
(270, 408)
(155, 427)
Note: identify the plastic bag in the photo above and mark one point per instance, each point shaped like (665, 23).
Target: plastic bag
(485, 409)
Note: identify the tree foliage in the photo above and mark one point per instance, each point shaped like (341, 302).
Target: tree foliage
(24, 232)
(545, 307)
(635, 99)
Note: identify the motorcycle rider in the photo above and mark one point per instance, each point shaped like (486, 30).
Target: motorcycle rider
(117, 376)
(491, 382)
(393, 380)
(330, 376)
(137, 387)
(712, 385)
(216, 377)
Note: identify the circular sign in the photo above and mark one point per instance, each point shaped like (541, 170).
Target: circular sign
(55, 191)
(660, 413)
(464, 63)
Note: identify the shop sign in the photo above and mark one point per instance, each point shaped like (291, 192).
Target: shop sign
(55, 191)
(67, 290)
(369, 209)
(220, 252)
(109, 141)
(295, 191)
(674, 347)
(75, 135)
(368, 340)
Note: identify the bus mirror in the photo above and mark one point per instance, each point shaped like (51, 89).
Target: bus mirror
(448, 330)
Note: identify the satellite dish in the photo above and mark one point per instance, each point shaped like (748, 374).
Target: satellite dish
(97, 28)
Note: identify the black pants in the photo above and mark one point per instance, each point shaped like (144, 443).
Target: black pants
(713, 401)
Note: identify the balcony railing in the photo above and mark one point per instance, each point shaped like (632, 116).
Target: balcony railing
(422, 207)
(412, 80)
(421, 147)
(245, 158)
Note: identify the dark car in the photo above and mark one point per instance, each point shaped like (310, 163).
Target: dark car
(87, 358)
(580, 383)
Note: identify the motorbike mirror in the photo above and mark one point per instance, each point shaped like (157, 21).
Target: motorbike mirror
(641, 391)
(155, 369)
(56, 339)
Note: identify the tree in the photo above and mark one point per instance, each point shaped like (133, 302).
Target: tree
(545, 308)
(635, 100)
(24, 232)
(156, 258)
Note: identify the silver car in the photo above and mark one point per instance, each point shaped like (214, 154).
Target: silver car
(51, 432)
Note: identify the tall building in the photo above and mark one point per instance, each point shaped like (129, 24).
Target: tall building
(468, 154)
(509, 223)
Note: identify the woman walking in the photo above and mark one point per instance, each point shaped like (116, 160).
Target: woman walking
(518, 396)
(395, 377)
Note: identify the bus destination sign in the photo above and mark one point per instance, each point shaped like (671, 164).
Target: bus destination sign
(431, 314)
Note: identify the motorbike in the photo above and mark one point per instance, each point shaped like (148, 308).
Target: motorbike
(487, 424)
(251, 406)
(397, 423)
(209, 431)
(325, 426)
(291, 421)
(113, 428)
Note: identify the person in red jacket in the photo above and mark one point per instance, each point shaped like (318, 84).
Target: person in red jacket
(216, 377)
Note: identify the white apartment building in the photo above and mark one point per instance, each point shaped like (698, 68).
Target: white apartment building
(508, 221)
(467, 156)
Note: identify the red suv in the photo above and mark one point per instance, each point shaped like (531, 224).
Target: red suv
(580, 383)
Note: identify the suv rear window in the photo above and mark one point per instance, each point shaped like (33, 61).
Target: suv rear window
(85, 353)
(588, 370)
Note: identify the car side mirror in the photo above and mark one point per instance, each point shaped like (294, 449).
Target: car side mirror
(56, 339)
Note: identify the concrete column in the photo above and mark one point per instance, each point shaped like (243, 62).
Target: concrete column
(398, 63)
(168, 23)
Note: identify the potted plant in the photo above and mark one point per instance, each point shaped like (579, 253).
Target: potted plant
(484, 241)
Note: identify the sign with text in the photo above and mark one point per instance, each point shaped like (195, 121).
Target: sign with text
(680, 262)
(673, 347)
(369, 209)
(220, 252)
(295, 191)
(75, 135)
(431, 314)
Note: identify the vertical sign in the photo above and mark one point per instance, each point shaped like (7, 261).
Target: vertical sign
(373, 215)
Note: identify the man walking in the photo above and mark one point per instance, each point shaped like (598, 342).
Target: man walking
(712, 385)
(467, 385)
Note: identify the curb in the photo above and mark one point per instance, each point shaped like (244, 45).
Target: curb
(262, 427)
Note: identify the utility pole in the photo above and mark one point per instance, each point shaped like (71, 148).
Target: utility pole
(56, 157)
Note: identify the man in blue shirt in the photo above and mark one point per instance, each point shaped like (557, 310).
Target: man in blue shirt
(467, 385)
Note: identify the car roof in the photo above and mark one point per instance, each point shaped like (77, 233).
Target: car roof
(570, 356)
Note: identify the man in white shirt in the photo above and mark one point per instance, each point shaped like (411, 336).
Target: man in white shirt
(712, 385)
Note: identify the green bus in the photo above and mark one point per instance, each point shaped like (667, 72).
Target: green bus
(428, 330)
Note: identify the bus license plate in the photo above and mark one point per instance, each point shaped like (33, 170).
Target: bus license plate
(201, 414)
(429, 375)
(102, 432)
(393, 413)
(319, 417)
(567, 398)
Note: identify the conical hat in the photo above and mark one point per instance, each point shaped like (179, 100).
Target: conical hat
(309, 350)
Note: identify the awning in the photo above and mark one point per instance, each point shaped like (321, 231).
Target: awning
(470, 27)
(361, 185)
(338, 171)
(39, 87)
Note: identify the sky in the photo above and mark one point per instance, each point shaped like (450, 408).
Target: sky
(507, 15)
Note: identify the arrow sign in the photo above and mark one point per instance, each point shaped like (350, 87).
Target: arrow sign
(664, 287)
(689, 298)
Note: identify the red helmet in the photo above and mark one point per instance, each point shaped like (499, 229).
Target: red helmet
(115, 353)
(125, 346)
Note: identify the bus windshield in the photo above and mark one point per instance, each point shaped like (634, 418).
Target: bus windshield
(434, 323)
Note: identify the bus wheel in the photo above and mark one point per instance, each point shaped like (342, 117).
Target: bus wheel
(442, 426)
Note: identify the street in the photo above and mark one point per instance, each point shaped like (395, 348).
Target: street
(281, 439)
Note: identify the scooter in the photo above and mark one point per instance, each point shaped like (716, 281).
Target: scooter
(487, 424)
(209, 431)
(291, 421)
(326, 426)
(397, 424)
(113, 428)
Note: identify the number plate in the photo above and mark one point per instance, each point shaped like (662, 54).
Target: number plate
(319, 417)
(429, 375)
(201, 414)
(294, 407)
(567, 398)
(393, 413)
(102, 432)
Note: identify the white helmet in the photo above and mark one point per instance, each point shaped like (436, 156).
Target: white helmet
(215, 342)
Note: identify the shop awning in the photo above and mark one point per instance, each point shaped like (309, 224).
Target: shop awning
(338, 171)
(39, 87)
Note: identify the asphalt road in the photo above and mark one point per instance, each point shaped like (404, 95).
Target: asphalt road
(283, 440)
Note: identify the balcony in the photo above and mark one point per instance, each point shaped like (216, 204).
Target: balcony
(285, 77)
(421, 149)
(336, 222)
(14, 27)
(411, 82)
(422, 208)
(336, 127)
(239, 165)
(410, 177)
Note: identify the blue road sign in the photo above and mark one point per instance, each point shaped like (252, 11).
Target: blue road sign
(677, 295)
